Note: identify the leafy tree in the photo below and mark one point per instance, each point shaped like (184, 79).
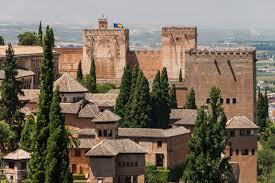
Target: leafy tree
(27, 134)
(79, 72)
(104, 87)
(28, 39)
(207, 144)
(2, 40)
(7, 136)
(190, 102)
(180, 76)
(10, 104)
(57, 167)
(160, 104)
(261, 115)
(266, 160)
(124, 92)
(36, 171)
(40, 34)
(173, 97)
(156, 175)
(139, 115)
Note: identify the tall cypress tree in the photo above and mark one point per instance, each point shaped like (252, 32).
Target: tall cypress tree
(40, 34)
(139, 115)
(261, 113)
(124, 92)
(93, 73)
(190, 102)
(57, 165)
(10, 104)
(79, 72)
(27, 134)
(51, 35)
(2, 40)
(266, 103)
(207, 144)
(173, 97)
(180, 76)
(36, 171)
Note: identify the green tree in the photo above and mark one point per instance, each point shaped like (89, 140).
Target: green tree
(57, 166)
(207, 144)
(266, 103)
(266, 160)
(40, 34)
(261, 114)
(36, 171)
(124, 92)
(51, 35)
(79, 72)
(190, 102)
(27, 134)
(139, 115)
(173, 97)
(93, 73)
(10, 105)
(28, 39)
(180, 76)
(7, 137)
(2, 40)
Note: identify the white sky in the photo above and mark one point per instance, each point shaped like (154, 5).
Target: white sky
(211, 13)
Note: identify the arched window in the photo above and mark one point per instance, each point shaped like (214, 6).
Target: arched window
(221, 100)
(99, 133)
(228, 101)
(208, 100)
(105, 133)
(65, 99)
(234, 100)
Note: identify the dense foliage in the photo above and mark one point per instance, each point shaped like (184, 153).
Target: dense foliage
(190, 102)
(207, 144)
(28, 39)
(7, 137)
(10, 105)
(27, 134)
(79, 75)
(156, 175)
(173, 97)
(262, 111)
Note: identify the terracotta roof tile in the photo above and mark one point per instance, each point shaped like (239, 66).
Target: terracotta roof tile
(89, 111)
(183, 113)
(71, 108)
(19, 154)
(100, 98)
(67, 83)
(240, 122)
(188, 117)
(106, 116)
(20, 73)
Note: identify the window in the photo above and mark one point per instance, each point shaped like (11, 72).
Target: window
(110, 133)
(23, 166)
(65, 99)
(159, 160)
(11, 177)
(244, 151)
(131, 164)
(253, 152)
(208, 100)
(135, 179)
(123, 164)
(159, 144)
(136, 164)
(127, 164)
(74, 168)
(221, 100)
(245, 133)
(77, 152)
(74, 99)
(99, 133)
(231, 151)
(11, 165)
(119, 164)
(105, 133)
(234, 100)
(232, 133)
(228, 101)
(237, 152)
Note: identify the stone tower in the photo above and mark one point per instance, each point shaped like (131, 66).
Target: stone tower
(108, 47)
(175, 41)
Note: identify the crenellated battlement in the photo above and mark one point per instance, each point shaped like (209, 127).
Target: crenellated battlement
(107, 32)
(145, 52)
(226, 51)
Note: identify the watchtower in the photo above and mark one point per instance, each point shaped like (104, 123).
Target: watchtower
(175, 41)
(108, 47)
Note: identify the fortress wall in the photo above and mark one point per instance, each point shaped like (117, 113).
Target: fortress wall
(234, 72)
(68, 60)
(148, 61)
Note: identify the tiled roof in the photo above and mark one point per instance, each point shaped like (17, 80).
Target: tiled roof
(19, 154)
(89, 111)
(101, 98)
(20, 73)
(113, 91)
(106, 116)
(22, 50)
(189, 117)
(114, 147)
(182, 113)
(240, 122)
(105, 104)
(71, 108)
(150, 132)
(85, 143)
(67, 83)
(31, 95)
(86, 131)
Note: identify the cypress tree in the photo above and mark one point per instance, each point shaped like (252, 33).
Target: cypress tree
(173, 98)
(2, 40)
(51, 35)
(79, 72)
(27, 134)
(124, 92)
(180, 76)
(92, 73)
(139, 115)
(57, 166)
(36, 172)
(266, 103)
(207, 144)
(190, 102)
(10, 104)
(261, 113)
(40, 34)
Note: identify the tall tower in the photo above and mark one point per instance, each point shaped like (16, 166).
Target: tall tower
(175, 41)
(108, 47)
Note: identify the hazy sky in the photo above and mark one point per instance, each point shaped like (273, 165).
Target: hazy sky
(212, 13)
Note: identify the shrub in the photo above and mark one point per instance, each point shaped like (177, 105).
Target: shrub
(271, 141)
(78, 177)
(104, 87)
(156, 175)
